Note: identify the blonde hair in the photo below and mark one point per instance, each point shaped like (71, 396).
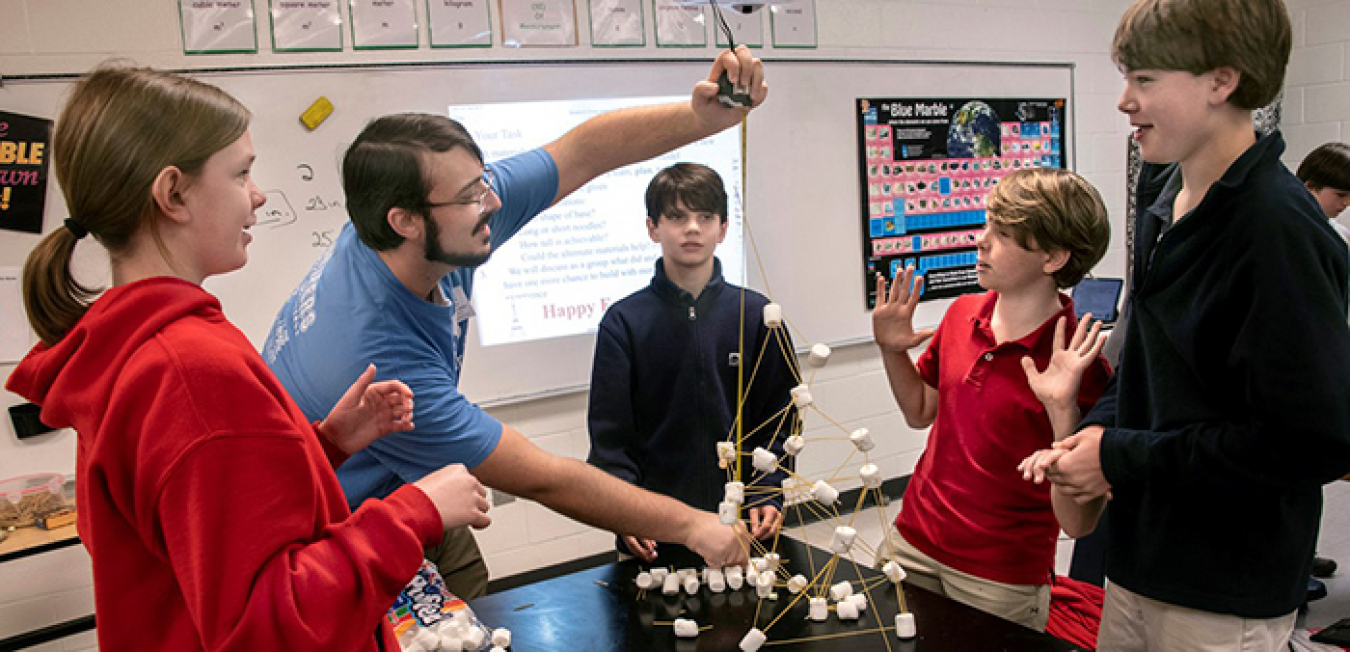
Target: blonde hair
(1197, 36)
(1053, 210)
(120, 128)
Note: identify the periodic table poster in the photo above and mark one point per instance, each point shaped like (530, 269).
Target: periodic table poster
(926, 166)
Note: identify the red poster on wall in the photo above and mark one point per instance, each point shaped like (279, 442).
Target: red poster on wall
(25, 144)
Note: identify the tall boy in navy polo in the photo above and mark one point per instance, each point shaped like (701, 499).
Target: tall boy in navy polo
(1230, 407)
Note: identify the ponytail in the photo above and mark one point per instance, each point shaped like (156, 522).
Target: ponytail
(52, 297)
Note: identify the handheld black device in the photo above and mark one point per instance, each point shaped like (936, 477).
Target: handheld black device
(1099, 296)
(728, 94)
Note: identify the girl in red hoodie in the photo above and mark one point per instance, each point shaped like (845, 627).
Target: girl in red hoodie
(206, 500)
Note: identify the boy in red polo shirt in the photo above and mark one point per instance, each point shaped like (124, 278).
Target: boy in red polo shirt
(970, 528)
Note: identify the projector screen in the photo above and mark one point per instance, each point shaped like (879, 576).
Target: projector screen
(558, 275)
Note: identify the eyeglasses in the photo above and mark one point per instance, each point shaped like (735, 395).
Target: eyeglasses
(489, 186)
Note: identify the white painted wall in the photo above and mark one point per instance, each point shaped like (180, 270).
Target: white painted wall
(39, 36)
(1317, 85)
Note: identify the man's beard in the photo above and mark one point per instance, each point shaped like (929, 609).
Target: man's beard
(433, 251)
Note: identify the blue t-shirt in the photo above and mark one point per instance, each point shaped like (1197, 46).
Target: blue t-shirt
(351, 311)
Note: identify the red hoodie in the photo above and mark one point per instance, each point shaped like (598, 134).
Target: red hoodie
(206, 500)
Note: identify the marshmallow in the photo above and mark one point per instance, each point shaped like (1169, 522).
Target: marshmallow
(841, 591)
(894, 572)
(726, 451)
(859, 600)
(843, 539)
(820, 609)
(450, 643)
(794, 444)
(801, 396)
(773, 315)
(772, 561)
(753, 639)
(765, 462)
(796, 584)
(427, 639)
(474, 638)
(765, 586)
(672, 584)
(871, 476)
(686, 573)
(823, 492)
(727, 512)
(905, 626)
(686, 628)
(501, 637)
(846, 610)
(691, 585)
(759, 564)
(820, 354)
(644, 580)
(752, 577)
(495, 648)
(735, 578)
(659, 575)
(734, 492)
(715, 580)
(862, 439)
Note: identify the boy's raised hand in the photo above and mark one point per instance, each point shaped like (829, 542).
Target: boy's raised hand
(1057, 386)
(893, 317)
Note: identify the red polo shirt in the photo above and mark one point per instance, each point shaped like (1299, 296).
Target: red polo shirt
(966, 505)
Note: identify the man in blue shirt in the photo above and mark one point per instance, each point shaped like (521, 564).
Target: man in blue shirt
(394, 291)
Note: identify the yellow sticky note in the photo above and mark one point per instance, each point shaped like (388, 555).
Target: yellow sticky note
(317, 113)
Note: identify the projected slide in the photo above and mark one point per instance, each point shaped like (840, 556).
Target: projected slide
(559, 274)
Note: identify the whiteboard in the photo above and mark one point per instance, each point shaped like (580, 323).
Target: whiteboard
(802, 227)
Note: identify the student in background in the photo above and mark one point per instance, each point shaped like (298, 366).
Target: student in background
(970, 527)
(395, 290)
(664, 382)
(207, 501)
(1326, 174)
(1229, 409)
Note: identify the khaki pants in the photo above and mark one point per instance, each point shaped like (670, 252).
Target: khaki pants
(1134, 623)
(1025, 604)
(461, 563)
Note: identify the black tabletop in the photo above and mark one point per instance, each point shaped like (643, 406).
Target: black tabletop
(601, 609)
